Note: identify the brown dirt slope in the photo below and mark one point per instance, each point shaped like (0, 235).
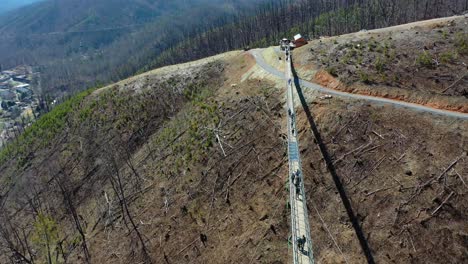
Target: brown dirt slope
(423, 62)
(394, 165)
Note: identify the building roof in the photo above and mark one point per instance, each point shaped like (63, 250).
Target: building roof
(24, 85)
(9, 72)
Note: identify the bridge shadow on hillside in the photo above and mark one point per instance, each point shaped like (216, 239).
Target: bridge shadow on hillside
(331, 168)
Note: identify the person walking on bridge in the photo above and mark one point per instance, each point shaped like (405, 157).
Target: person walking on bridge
(301, 242)
(297, 183)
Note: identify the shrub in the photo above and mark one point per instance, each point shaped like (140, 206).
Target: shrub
(386, 48)
(445, 34)
(392, 55)
(372, 45)
(425, 60)
(448, 56)
(359, 60)
(346, 59)
(364, 77)
(325, 61)
(46, 237)
(461, 42)
(380, 65)
(379, 49)
(332, 71)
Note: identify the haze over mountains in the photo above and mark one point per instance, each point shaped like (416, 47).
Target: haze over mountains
(8, 5)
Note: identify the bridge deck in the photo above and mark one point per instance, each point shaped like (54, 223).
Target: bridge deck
(299, 216)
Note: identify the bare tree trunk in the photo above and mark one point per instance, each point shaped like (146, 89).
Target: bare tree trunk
(123, 201)
(67, 196)
(10, 240)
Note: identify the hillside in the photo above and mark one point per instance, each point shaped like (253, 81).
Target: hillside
(74, 44)
(169, 182)
(188, 164)
(424, 63)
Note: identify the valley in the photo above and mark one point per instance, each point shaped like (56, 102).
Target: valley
(19, 105)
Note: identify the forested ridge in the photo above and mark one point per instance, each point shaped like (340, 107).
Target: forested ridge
(73, 44)
(312, 18)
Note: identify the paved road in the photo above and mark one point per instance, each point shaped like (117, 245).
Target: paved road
(300, 230)
(257, 53)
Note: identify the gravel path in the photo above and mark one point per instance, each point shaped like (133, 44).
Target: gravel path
(257, 53)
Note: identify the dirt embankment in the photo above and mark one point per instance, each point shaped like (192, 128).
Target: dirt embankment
(424, 63)
(325, 79)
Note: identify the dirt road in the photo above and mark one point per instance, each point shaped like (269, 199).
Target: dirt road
(257, 53)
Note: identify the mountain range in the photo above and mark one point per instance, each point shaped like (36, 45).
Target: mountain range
(76, 43)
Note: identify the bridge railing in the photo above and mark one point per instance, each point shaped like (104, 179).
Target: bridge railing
(293, 196)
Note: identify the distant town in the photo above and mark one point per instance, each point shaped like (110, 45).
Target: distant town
(17, 100)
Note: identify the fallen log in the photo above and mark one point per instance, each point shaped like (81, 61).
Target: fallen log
(442, 204)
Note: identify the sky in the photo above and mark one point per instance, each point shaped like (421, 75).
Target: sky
(7, 5)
